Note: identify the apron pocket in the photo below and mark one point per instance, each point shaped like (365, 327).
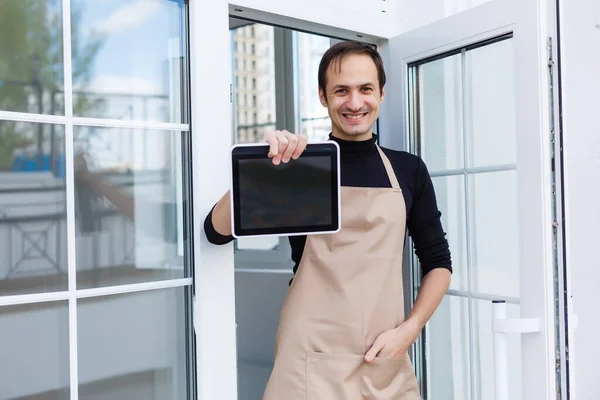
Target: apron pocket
(332, 376)
(349, 377)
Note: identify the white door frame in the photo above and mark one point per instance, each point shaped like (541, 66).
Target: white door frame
(211, 132)
(528, 22)
(214, 306)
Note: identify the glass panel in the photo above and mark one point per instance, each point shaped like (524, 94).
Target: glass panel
(33, 232)
(31, 56)
(34, 344)
(491, 104)
(314, 118)
(258, 301)
(130, 60)
(135, 346)
(484, 359)
(257, 243)
(258, 295)
(448, 354)
(129, 205)
(495, 233)
(254, 107)
(450, 193)
(440, 110)
(254, 82)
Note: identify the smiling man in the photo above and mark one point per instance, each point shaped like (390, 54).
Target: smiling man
(351, 87)
(343, 333)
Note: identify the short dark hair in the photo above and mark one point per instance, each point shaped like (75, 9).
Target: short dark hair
(336, 53)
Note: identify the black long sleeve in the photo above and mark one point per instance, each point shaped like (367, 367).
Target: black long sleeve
(212, 235)
(424, 224)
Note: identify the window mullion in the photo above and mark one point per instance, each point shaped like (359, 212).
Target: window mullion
(70, 201)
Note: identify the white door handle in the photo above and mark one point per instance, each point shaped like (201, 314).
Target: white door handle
(516, 325)
(501, 327)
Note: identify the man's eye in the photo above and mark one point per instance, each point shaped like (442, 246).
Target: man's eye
(368, 89)
(341, 91)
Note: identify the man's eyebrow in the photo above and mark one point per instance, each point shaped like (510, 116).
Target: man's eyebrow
(347, 86)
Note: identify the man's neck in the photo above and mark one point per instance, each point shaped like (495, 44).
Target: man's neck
(353, 138)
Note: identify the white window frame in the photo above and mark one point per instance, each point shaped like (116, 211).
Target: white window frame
(531, 25)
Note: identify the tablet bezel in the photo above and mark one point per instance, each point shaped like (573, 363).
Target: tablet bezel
(260, 150)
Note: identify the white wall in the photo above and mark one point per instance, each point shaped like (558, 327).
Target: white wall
(580, 41)
(412, 14)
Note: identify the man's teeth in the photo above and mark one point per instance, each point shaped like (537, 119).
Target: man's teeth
(354, 116)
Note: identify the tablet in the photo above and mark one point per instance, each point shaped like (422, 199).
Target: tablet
(300, 197)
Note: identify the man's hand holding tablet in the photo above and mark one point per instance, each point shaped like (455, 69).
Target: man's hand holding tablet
(285, 146)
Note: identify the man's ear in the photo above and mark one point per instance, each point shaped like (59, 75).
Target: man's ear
(382, 94)
(322, 97)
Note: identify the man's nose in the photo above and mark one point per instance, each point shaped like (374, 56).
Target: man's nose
(355, 102)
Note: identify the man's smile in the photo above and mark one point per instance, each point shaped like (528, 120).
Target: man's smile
(354, 116)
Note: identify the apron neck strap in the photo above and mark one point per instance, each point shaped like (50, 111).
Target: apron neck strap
(388, 168)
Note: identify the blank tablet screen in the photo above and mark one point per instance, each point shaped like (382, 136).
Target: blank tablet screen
(296, 197)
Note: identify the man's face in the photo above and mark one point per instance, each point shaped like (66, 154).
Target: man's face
(353, 97)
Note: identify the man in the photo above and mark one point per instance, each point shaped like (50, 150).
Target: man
(342, 332)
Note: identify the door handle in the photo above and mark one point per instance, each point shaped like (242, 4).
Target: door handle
(516, 325)
(502, 326)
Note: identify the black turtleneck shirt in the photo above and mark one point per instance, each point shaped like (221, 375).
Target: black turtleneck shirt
(361, 166)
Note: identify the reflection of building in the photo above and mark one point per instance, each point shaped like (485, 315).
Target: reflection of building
(255, 85)
(254, 71)
(313, 116)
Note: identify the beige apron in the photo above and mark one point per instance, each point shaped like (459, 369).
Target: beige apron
(347, 290)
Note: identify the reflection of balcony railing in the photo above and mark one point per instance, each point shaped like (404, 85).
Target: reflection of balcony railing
(33, 227)
(35, 233)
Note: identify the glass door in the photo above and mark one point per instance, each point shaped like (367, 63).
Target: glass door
(475, 95)
(96, 267)
(274, 76)
(464, 129)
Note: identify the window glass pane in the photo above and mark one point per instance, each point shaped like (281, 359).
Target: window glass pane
(448, 354)
(254, 105)
(440, 111)
(33, 232)
(484, 345)
(450, 193)
(257, 243)
(490, 229)
(135, 346)
(130, 210)
(258, 301)
(31, 56)
(34, 344)
(314, 118)
(495, 233)
(130, 60)
(491, 104)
